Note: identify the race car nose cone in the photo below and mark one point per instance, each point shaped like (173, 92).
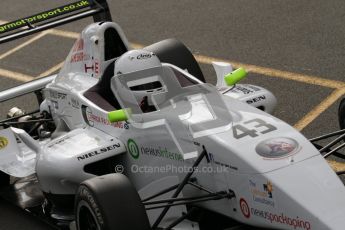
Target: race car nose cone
(308, 191)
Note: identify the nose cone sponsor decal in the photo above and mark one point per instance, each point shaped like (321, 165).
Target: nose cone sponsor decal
(276, 148)
(3, 142)
(262, 192)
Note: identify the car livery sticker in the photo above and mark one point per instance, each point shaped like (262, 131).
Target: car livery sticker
(3, 142)
(244, 208)
(98, 152)
(93, 119)
(133, 148)
(277, 148)
(282, 219)
(262, 192)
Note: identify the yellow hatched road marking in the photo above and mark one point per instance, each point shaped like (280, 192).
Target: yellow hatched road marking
(313, 80)
(64, 33)
(251, 68)
(51, 70)
(336, 165)
(22, 45)
(320, 108)
(15, 75)
(276, 73)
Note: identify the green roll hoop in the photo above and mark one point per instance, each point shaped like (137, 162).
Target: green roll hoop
(235, 76)
(117, 115)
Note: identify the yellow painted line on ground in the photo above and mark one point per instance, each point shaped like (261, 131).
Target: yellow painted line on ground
(22, 45)
(51, 70)
(64, 33)
(336, 166)
(15, 75)
(74, 35)
(25, 78)
(315, 112)
(251, 68)
(137, 46)
(313, 80)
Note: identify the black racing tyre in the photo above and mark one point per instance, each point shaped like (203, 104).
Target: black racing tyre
(175, 52)
(4, 179)
(341, 114)
(109, 202)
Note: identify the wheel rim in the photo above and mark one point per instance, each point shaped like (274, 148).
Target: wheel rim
(86, 219)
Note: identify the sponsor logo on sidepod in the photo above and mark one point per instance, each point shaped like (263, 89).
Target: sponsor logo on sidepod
(3, 142)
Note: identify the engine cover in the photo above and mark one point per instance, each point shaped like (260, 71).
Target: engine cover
(60, 165)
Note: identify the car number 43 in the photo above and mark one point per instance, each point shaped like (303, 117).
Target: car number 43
(252, 128)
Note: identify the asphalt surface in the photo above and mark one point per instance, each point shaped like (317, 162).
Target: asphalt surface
(304, 36)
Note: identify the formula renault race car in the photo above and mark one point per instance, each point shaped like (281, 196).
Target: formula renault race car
(136, 139)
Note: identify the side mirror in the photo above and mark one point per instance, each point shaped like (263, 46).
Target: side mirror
(235, 76)
(118, 115)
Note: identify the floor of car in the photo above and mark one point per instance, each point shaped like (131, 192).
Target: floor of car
(13, 217)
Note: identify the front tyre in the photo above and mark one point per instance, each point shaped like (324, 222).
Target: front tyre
(109, 202)
(341, 114)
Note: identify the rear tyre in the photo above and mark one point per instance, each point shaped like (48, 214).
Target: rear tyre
(341, 114)
(175, 52)
(109, 202)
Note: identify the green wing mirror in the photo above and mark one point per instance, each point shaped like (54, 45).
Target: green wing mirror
(235, 76)
(118, 115)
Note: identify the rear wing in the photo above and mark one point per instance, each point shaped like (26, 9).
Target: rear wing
(23, 27)
(99, 9)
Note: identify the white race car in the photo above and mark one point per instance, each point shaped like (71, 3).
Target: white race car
(135, 139)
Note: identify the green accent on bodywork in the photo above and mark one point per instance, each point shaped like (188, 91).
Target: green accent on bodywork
(118, 115)
(133, 148)
(235, 76)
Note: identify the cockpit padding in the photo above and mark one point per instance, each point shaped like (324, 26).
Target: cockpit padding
(101, 93)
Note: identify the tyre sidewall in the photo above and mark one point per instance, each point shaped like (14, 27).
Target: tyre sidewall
(341, 114)
(4, 179)
(86, 200)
